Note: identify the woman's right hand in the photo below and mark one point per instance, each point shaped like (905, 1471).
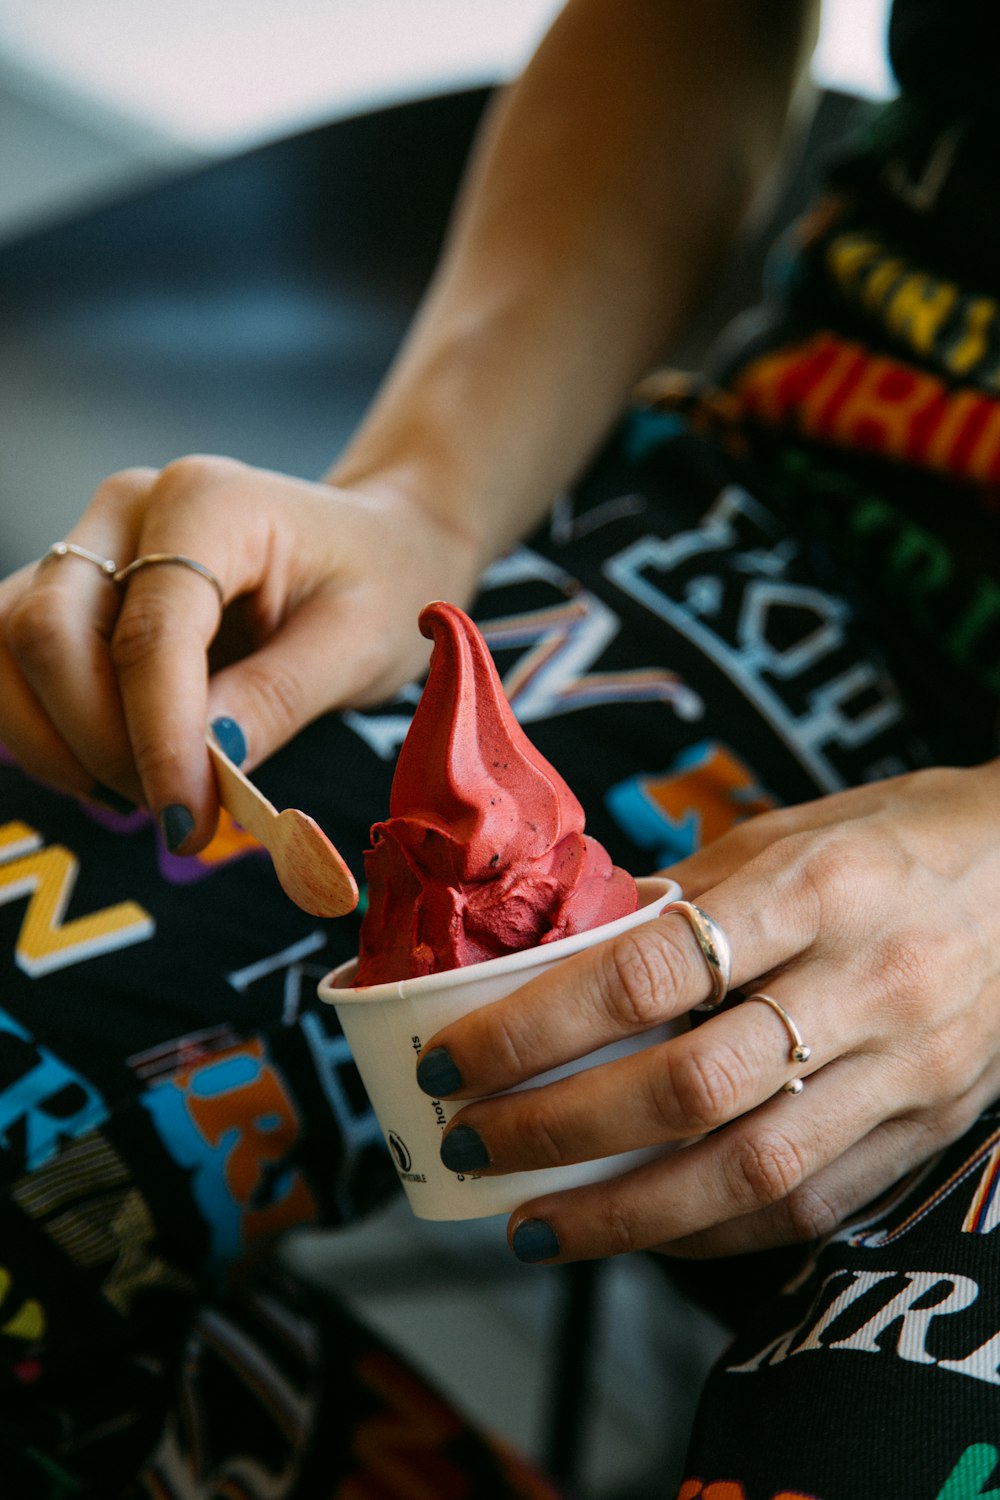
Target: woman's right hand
(108, 685)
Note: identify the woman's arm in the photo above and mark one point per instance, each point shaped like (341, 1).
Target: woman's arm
(608, 183)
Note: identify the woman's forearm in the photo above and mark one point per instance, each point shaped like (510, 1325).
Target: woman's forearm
(606, 186)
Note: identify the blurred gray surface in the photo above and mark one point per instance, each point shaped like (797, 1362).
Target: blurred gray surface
(56, 160)
(484, 1329)
(246, 308)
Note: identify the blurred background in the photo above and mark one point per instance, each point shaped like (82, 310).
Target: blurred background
(215, 219)
(100, 95)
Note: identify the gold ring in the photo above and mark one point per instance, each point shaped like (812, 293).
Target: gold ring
(158, 559)
(714, 946)
(70, 549)
(799, 1052)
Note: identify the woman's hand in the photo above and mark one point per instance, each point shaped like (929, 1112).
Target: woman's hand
(111, 686)
(873, 918)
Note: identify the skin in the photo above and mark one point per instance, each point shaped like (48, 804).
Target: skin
(871, 916)
(607, 185)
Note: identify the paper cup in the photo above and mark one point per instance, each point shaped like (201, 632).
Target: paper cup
(386, 1025)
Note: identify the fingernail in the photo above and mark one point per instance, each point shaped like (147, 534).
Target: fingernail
(110, 798)
(176, 824)
(534, 1240)
(230, 739)
(437, 1074)
(462, 1150)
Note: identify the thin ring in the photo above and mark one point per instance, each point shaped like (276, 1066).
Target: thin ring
(799, 1052)
(107, 565)
(157, 559)
(714, 945)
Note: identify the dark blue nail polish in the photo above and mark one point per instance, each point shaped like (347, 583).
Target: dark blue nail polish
(110, 798)
(462, 1150)
(230, 739)
(437, 1074)
(176, 824)
(534, 1240)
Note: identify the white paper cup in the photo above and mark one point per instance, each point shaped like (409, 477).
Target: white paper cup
(386, 1025)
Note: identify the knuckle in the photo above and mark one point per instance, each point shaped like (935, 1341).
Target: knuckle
(117, 490)
(277, 695)
(539, 1126)
(616, 1230)
(508, 1045)
(34, 628)
(766, 1168)
(700, 1090)
(642, 969)
(196, 472)
(909, 968)
(935, 1066)
(158, 761)
(138, 633)
(809, 1214)
(834, 869)
(923, 1133)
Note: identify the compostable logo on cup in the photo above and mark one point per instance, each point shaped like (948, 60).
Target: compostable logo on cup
(386, 1025)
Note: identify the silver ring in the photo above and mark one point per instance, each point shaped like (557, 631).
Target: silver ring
(798, 1052)
(158, 559)
(715, 949)
(66, 549)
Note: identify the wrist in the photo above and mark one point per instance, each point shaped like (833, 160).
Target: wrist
(407, 497)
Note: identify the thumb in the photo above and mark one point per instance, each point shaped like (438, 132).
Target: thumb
(326, 655)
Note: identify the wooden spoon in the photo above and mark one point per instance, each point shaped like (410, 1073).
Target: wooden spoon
(308, 866)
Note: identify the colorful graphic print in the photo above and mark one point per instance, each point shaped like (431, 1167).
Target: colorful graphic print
(89, 1206)
(835, 390)
(47, 876)
(927, 315)
(232, 1122)
(43, 1101)
(706, 791)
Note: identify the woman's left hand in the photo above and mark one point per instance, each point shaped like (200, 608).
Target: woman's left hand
(873, 917)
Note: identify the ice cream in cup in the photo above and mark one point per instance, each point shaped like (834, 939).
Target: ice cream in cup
(480, 879)
(386, 1025)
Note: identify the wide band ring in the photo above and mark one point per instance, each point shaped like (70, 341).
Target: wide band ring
(107, 565)
(714, 946)
(161, 559)
(798, 1052)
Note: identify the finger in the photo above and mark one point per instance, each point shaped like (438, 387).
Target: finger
(297, 673)
(821, 1204)
(838, 1193)
(168, 618)
(58, 632)
(751, 1165)
(863, 1174)
(640, 979)
(159, 649)
(62, 716)
(674, 1091)
(29, 735)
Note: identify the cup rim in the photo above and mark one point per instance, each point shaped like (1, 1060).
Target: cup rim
(399, 989)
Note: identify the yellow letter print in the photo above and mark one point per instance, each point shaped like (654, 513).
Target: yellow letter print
(48, 876)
